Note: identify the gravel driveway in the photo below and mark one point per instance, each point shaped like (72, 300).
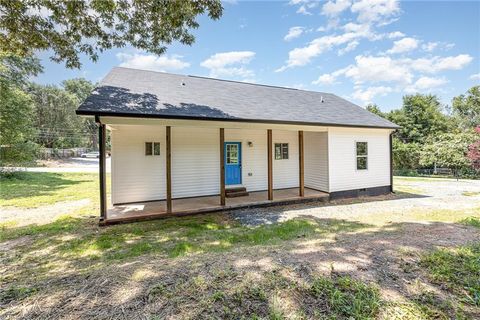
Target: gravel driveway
(414, 197)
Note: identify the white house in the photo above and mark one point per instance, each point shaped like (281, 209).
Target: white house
(186, 144)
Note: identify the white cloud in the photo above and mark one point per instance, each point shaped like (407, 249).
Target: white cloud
(375, 11)
(437, 64)
(230, 64)
(367, 95)
(369, 13)
(302, 56)
(403, 45)
(378, 69)
(152, 62)
(351, 46)
(325, 79)
(333, 8)
(305, 6)
(475, 76)
(395, 35)
(424, 84)
(294, 32)
(431, 46)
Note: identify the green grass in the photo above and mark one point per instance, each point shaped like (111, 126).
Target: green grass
(470, 193)
(471, 221)
(458, 269)
(35, 189)
(178, 237)
(347, 298)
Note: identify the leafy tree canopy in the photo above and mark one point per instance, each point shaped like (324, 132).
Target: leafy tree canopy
(447, 150)
(467, 107)
(74, 27)
(373, 108)
(80, 87)
(419, 117)
(15, 70)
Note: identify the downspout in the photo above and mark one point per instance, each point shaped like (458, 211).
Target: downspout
(102, 175)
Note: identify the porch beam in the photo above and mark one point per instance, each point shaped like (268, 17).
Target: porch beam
(222, 166)
(301, 164)
(169, 169)
(270, 164)
(102, 175)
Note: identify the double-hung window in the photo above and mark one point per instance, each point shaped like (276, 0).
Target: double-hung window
(281, 151)
(152, 148)
(361, 150)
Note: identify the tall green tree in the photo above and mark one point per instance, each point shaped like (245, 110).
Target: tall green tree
(16, 110)
(89, 27)
(420, 117)
(82, 88)
(466, 107)
(55, 119)
(373, 108)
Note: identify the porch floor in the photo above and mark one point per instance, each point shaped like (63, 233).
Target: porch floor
(187, 206)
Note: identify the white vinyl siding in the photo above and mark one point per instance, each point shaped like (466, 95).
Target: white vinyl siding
(285, 171)
(316, 160)
(343, 173)
(195, 162)
(330, 160)
(135, 176)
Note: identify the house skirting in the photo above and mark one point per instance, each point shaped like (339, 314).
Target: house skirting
(374, 191)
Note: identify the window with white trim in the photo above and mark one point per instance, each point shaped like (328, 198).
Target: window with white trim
(281, 151)
(152, 148)
(361, 150)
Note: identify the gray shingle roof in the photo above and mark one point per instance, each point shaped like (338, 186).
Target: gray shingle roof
(140, 93)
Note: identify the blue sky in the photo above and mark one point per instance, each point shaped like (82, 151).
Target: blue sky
(367, 51)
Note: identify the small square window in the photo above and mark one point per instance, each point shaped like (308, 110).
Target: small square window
(281, 151)
(148, 148)
(156, 148)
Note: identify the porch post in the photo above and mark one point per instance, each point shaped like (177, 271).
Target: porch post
(169, 169)
(391, 161)
(102, 160)
(222, 167)
(301, 166)
(270, 164)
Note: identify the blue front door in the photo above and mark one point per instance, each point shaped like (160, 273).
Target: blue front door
(233, 163)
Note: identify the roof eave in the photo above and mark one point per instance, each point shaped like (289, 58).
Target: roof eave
(158, 116)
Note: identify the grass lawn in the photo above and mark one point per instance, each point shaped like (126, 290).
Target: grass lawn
(34, 189)
(211, 266)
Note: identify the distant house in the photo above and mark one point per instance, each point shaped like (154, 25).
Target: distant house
(186, 144)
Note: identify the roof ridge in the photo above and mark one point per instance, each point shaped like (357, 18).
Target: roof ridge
(225, 80)
(244, 82)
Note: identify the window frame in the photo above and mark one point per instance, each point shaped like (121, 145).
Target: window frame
(150, 151)
(357, 156)
(283, 146)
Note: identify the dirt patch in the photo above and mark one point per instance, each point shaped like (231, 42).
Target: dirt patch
(244, 281)
(41, 215)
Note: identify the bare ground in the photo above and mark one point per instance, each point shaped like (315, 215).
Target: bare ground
(257, 279)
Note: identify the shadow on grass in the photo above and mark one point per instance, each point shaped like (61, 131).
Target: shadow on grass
(31, 184)
(264, 281)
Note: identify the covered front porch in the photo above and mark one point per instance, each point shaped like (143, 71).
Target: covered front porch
(169, 168)
(195, 205)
